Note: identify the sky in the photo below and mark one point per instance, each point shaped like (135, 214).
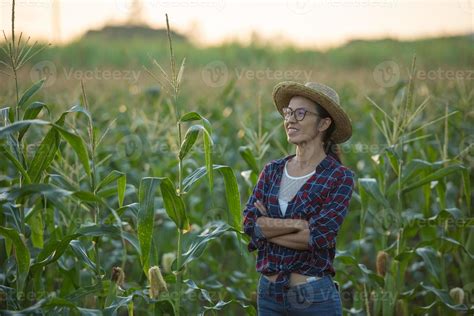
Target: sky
(305, 23)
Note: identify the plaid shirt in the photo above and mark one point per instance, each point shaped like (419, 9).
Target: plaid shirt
(323, 201)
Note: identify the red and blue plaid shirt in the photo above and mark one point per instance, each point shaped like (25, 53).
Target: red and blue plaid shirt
(323, 201)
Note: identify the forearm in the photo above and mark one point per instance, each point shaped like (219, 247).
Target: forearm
(273, 227)
(298, 240)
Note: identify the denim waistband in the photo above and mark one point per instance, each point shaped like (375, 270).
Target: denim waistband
(282, 284)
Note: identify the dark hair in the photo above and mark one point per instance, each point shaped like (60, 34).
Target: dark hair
(330, 148)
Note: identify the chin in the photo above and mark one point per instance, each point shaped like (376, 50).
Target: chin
(292, 141)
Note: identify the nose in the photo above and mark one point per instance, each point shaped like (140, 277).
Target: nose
(290, 118)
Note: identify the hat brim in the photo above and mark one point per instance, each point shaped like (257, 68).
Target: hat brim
(284, 91)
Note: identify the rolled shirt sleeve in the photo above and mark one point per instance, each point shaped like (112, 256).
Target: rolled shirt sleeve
(325, 223)
(251, 213)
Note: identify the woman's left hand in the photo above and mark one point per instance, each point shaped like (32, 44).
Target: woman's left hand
(261, 207)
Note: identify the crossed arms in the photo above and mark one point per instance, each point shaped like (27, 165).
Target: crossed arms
(290, 233)
(317, 232)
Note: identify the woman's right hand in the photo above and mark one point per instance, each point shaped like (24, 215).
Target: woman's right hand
(258, 204)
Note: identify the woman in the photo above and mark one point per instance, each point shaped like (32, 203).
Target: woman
(299, 203)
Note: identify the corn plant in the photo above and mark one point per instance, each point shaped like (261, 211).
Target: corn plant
(174, 197)
(59, 214)
(258, 145)
(405, 203)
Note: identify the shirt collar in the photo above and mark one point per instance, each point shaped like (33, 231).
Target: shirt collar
(326, 163)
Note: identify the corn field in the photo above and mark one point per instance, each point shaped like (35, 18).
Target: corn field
(125, 167)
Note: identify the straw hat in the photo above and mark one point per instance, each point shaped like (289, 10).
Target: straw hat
(325, 96)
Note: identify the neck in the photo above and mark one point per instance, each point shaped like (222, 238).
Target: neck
(309, 155)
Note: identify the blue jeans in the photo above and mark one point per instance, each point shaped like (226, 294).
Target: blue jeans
(319, 297)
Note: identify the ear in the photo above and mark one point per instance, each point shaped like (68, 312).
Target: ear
(324, 123)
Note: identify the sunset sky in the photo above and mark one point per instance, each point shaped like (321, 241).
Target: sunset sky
(306, 23)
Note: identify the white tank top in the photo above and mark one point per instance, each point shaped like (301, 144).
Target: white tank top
(289, 186)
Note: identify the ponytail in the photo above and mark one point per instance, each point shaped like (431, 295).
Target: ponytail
(330, 148)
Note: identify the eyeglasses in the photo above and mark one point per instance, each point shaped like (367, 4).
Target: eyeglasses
(298, 113)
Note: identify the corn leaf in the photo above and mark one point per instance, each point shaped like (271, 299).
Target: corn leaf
(17, 126)
(198, 244)
(44, 155)
(207, 142)
(437, 175)
(174, 204)
(31, 113)
(121, 184)
(81, 253)
(22, 255)
(77, 145)
(371, 187)
(146, 212)
(246, 153)
(30, 92)
(189, 140)
(231, 191)
(232, 196)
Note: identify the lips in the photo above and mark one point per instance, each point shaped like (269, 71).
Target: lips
(292, 130)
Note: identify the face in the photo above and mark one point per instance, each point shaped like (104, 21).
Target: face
(310, 128)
